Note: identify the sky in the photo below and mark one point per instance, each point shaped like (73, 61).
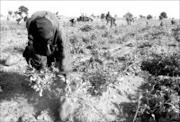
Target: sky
(75, 8)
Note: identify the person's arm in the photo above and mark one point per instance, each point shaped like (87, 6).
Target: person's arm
(57, 44)
(63, 53)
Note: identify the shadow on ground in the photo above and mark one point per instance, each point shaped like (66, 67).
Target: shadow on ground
(127, 110)
(15, 86)
(2, 62)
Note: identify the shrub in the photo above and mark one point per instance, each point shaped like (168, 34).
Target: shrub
(163, 15)
(97, 81)
(162, 102)
(86, 28)
(149, 16)
(46, 81)
(167, 66)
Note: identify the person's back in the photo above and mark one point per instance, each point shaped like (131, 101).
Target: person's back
(50, 16)
(48, 38)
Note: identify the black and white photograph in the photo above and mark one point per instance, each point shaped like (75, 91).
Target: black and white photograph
(90, 61)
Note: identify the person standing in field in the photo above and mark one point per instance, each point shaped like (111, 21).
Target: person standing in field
(110, 19)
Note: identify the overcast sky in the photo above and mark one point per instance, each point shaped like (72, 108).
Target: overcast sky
(75, 8)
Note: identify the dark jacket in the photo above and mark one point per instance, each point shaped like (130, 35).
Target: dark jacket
(57, 44)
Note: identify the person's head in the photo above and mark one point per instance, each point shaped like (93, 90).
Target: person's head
(42, 35)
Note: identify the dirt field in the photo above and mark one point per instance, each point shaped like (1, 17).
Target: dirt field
(114, 70)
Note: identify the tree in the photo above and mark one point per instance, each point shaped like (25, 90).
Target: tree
(10, 13)
(149, 17)
(163, 15)
(128, 15)
(23, 9)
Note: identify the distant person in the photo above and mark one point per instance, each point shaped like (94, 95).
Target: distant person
(108, 16)
(173, 22)
(73, 21)
(110, 19)
(47, 43)
(161, 24)
(7, 18)
(129, 20)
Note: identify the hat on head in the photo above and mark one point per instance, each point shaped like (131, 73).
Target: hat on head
(42, 28)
